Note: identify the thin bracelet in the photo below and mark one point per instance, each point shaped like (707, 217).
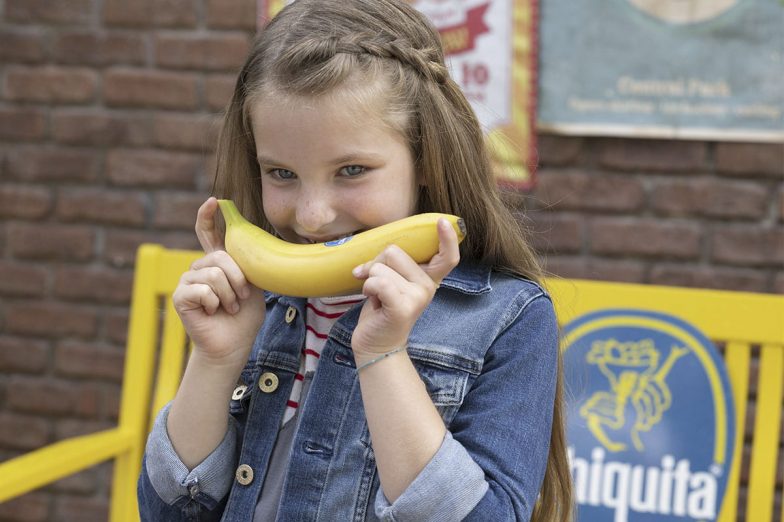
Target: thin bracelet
(382, 356)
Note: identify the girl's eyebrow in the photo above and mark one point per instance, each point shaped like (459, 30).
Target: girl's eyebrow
(340, 160)
(264, 160)
(356, 157)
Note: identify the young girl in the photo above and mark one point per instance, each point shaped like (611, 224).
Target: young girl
(433, 395)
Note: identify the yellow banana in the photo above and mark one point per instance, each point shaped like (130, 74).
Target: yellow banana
(324, 269)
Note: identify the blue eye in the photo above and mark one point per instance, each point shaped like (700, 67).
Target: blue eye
(352, 170)
(282, 174)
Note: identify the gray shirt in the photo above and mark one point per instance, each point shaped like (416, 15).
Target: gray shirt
(269, 499)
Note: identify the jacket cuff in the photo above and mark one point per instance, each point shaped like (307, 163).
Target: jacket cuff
(448, 488)
(172, 480)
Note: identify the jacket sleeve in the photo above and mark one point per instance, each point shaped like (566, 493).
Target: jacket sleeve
(449, 486)
(167, 490)
(492, 462)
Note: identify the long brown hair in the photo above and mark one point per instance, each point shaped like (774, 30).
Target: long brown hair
(384, 50)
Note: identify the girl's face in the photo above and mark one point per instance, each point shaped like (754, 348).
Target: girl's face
(329, 170)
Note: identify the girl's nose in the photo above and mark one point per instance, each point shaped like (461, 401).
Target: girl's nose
(315, 211)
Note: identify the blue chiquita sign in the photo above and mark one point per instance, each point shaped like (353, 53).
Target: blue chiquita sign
(650, 418)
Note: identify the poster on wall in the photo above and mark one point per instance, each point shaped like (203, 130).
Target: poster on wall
(688, 69)
(490, 51)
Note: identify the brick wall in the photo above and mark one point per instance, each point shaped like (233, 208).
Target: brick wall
(108, 115)
(683, 213)
(109, 110)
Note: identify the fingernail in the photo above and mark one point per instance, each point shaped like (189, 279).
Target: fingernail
(235, 308)
(357, 271)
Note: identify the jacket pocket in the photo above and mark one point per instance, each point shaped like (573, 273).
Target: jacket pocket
(445, 385)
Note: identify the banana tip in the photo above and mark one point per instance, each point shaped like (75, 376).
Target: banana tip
(462, 227)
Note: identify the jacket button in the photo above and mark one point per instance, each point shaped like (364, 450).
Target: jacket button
(239, 392)
(291, 313)
(244, 474)
(268, 382)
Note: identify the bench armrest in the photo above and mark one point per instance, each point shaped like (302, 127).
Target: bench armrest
(58, 460)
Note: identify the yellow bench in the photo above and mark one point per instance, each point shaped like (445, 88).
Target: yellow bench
(157, 347)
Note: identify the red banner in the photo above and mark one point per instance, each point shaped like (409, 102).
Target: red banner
(462, 37)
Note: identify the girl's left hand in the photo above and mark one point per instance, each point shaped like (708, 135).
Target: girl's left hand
(398, 290)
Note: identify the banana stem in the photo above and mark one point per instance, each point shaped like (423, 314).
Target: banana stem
(230, 212)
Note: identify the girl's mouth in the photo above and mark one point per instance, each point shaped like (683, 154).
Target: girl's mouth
(331, 239)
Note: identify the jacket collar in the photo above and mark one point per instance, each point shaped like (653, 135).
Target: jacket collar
(468, 277)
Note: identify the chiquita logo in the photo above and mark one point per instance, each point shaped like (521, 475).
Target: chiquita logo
(650, 418)
(338, 242)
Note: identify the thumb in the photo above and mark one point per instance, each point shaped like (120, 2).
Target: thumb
(448, 255)
(207, 232)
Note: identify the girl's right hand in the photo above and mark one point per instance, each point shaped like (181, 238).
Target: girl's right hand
(220, 309)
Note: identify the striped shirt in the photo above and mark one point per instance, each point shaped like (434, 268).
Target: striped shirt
(320, 314)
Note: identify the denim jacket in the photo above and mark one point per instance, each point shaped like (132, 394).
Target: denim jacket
(486, 349)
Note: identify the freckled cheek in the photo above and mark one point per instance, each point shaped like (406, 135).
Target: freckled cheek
(346, 213)
(276, 209)
(378, 211)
